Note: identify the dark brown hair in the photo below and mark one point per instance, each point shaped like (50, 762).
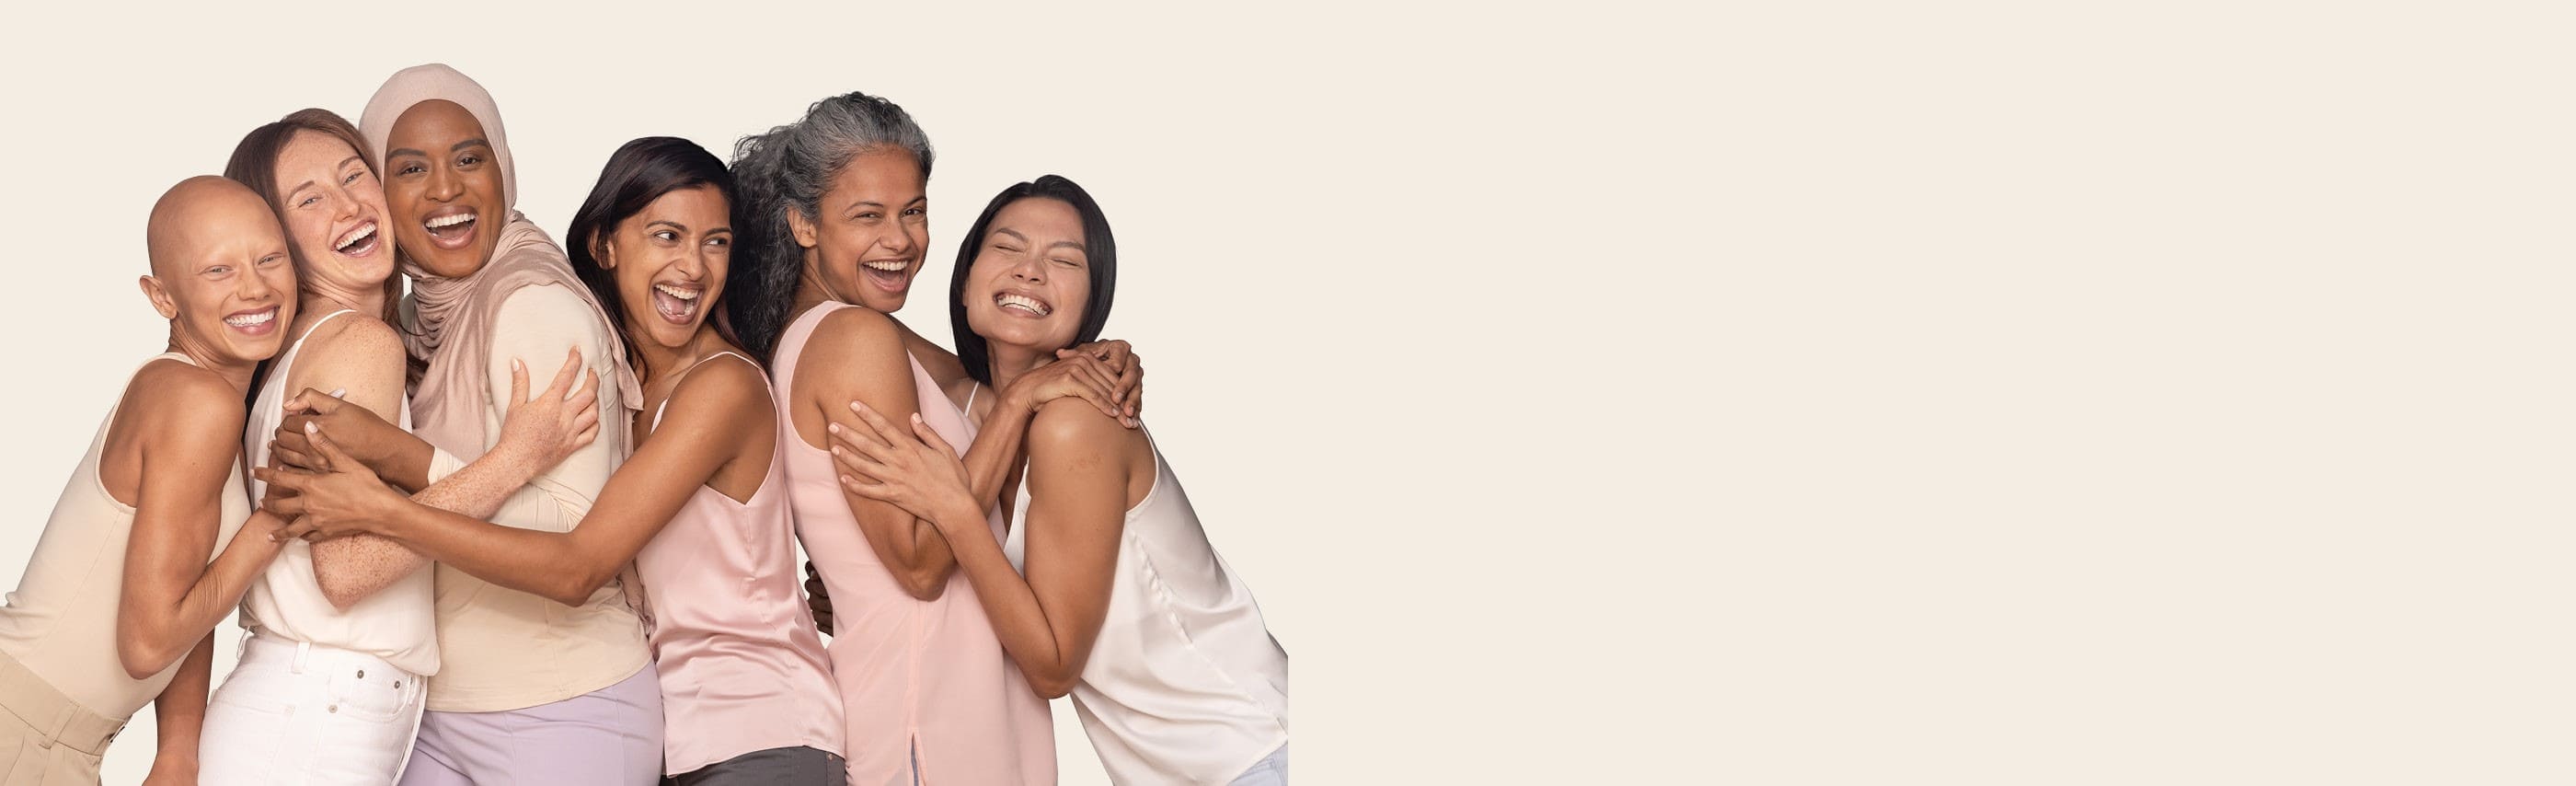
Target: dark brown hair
(254, 164)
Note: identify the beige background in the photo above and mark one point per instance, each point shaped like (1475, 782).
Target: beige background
(1847, 393)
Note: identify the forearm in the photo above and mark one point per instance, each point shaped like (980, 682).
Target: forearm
(479, 488)
(555, 565)
(353, 568)
(179, 713)
(407, 466)
(156, 640)
(996, 449)
(1019, 618)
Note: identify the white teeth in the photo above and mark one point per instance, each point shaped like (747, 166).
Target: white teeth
(683, 294)
(355, 235)
(894, 266)
(1024, 302)
(443, 222)
(247, 320)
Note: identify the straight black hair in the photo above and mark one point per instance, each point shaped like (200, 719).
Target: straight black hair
(1098, 247)
(639, 172)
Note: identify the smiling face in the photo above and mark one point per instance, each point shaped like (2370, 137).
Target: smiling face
(670, 261)
(335, 215)
(1031, 277)
(864, 245)
(443, 189)
(220, 272)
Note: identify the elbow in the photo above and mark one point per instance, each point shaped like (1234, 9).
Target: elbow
(1050, 687)
(922, 583)
(574, 587)
(140, 656)
(341, 592)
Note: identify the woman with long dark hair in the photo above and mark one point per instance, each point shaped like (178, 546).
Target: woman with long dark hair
(1105, 586)
(835, 222)
(701, 508)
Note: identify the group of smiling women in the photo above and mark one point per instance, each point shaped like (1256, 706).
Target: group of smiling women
(536, 520)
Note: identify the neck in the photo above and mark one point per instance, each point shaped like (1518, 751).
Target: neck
(235, 374)
(810, 291)
(1009, 362)
(661, 362)
(321, 298)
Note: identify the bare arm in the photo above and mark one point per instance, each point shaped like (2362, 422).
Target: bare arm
(533, 438)
(720, 415)
(1078, 477)
(186, 424)
(861, 357)
(179, 713)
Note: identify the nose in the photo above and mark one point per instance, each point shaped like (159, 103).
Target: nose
(897, 241)
(442, 183)
(694, 263)
(1029, 268)
(254, 286)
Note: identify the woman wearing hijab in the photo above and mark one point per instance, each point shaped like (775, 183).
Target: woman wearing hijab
(340, 637)
(528, 690)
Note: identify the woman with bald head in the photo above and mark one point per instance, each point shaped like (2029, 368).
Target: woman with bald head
(139, 561)
(528, 690)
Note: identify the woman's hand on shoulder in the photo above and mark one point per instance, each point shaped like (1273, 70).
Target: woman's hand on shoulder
(908, 466)
(557, 421)
(1128, 385)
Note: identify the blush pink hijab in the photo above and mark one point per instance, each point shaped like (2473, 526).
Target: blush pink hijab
(449, 320)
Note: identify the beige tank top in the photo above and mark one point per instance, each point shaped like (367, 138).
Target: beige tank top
(61, 622)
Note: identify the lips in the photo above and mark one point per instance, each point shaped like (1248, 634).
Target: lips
(450, 228)
(359, 241)
(887, 274)
(256, 322)
(677, 303)
(1014, 302)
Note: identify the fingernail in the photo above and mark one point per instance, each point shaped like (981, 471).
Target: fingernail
(916, 417)
(833, 428)
(339, 392)
(311, 427)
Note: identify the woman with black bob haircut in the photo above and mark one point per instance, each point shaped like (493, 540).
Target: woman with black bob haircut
(1106, 586)
(702, 508)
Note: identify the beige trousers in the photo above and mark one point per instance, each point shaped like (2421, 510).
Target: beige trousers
(46, 739)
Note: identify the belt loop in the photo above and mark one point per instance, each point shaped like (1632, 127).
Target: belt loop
(303, 651)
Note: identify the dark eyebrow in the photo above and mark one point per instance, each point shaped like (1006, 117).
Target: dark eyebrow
(1008, 231)
(345, 161)
(684, 229)
(403, 151)
(468, 143)
(1069, 244)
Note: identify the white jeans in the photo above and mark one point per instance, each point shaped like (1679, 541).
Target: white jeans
(293, 712)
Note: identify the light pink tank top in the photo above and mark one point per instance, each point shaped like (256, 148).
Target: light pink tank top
(742, 668)
(916, 677)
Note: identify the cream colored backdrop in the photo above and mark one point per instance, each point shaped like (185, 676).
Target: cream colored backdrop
(1861, 393)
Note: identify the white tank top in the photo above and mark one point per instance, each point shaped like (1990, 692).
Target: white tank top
(1184, 683)
(398, 623)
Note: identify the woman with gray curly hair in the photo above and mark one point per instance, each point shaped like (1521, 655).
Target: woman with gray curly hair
(834, 222)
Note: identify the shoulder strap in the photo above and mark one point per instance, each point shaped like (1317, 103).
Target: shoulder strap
(684, 375)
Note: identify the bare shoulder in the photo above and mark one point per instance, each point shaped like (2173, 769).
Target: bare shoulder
(353, 342)
(1071, 428)
(726, 389)
(172, 397)
(856, 329)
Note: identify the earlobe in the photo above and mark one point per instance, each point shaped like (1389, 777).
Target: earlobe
(800, 225)
(160, 298)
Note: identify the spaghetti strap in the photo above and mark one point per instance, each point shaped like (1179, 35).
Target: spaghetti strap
(970, 398)
(684, 373)
(317, 324)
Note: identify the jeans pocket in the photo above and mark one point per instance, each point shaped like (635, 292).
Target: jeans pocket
(368, 694)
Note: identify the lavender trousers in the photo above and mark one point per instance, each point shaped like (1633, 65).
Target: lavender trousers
(607, 737)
